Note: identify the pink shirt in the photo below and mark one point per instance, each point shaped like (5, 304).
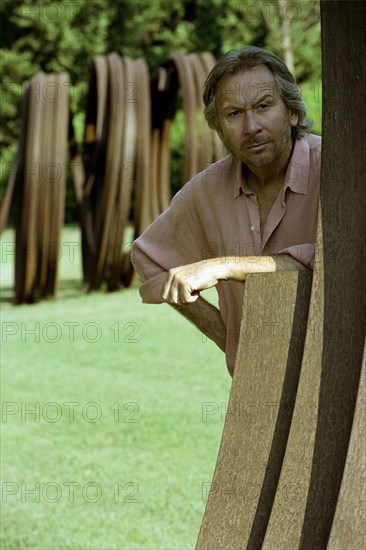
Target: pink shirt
(216, 214)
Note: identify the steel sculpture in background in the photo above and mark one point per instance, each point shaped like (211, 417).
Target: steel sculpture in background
(37, 186)
(122, 178)
(291, 470)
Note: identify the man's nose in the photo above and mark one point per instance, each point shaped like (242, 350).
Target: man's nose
(251, 125)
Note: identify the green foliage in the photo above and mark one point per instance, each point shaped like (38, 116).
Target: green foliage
(303, 18)
(66, 35)
(177, 143)
(312, 95)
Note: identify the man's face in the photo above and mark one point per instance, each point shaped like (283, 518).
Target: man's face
(255, 124)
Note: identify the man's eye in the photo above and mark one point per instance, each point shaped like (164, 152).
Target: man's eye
(263, 106)
(233, 113)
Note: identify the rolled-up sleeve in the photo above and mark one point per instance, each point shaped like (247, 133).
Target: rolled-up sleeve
(172, 240)
(152, 275)
(303, 253)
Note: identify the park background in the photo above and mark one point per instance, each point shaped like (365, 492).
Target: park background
(112, 410)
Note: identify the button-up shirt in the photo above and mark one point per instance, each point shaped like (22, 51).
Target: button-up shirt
(216, 214)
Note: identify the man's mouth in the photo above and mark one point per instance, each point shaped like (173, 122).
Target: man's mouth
(256, 145)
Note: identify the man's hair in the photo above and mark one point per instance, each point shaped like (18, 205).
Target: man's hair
(247, 57)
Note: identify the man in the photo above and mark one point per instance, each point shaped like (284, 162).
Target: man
(253, 211)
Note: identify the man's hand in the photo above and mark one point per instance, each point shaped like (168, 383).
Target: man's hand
(184, 283)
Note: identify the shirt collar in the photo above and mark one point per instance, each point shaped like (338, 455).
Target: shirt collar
(297, 174)
(241, 184)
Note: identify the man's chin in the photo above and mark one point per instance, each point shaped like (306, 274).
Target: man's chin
(255, 160)
(259, 161)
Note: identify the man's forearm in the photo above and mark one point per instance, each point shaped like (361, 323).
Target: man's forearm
(238, 267)
(207, 319)
(184, 283)
(204, 315)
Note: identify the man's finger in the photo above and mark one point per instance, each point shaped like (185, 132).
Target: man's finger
(167, 286)
(190, 297)
(173, 296)
(171, 290)
(186, 294)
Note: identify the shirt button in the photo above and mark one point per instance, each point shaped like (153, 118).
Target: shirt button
(252, 228)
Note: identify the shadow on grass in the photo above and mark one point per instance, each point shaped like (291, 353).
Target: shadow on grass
(70, 288)
(7, 295)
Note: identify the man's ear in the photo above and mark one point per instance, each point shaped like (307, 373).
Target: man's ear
(294, 118)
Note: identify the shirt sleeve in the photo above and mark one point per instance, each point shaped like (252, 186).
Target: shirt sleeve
(172, 240)
(303, 253)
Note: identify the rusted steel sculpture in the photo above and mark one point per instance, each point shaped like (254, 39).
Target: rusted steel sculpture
(259, 412)
(109, 159)
(122, 180)
(201, 145)
(37, 186)
(127, 153)
(291, 470)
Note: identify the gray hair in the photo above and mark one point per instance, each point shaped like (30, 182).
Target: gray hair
(245, 58)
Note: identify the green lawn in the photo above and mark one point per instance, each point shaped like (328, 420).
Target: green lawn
(104, 442)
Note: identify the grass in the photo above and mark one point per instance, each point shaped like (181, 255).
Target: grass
(104, 443)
